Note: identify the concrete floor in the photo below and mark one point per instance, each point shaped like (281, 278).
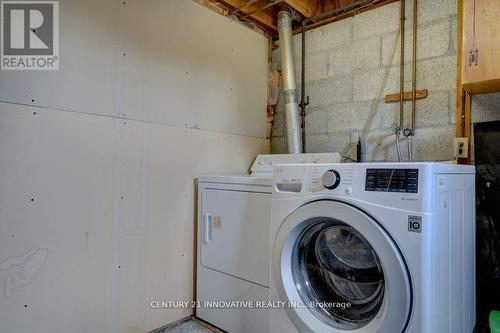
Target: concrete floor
(189, 327)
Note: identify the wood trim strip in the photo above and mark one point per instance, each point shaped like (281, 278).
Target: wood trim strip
(408, 96)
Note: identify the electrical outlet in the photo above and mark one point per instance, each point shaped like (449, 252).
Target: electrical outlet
(461, 147)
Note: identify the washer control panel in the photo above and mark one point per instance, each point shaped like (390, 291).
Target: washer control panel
(388, 184)
(391, 180)
(331, 179)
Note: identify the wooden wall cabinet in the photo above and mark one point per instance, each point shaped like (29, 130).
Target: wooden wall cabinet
(478, 56)
(481, 46)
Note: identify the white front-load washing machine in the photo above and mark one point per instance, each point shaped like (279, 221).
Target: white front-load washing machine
(373, 248)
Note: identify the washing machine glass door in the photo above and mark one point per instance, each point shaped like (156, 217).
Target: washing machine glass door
(344, 270)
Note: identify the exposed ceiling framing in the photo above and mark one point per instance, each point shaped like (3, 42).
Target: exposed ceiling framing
(313, 13)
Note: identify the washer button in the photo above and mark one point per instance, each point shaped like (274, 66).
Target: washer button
(348, 190)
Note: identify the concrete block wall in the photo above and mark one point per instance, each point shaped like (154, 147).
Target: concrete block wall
(346, 64)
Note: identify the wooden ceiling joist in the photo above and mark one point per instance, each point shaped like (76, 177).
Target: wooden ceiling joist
(308, 8)
(264, 13)
(265, 16)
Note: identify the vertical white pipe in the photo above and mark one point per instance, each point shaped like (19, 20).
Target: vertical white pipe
(292, 113)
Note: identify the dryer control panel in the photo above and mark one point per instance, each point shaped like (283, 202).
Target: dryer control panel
(263, 164)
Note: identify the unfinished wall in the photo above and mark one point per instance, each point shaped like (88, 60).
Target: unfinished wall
(98, 161)
(346, 62)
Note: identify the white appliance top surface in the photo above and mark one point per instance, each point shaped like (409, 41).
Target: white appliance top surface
(238, 179)
(437, 167)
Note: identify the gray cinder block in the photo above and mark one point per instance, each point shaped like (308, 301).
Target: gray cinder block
(433, 41)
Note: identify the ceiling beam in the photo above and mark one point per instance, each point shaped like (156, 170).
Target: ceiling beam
(307, 8)
(264, 17)
(263, 14)
(351, 8)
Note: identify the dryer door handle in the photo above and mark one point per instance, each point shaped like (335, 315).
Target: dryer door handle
(207, 228)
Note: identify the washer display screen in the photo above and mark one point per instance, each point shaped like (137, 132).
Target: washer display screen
(392, 180)
(332, 264)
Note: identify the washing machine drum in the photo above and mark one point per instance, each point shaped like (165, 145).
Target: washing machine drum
(333, 263)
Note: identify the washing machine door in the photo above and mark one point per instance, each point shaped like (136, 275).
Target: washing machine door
(339, 271)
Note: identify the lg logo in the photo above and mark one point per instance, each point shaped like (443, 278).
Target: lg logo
(30, 34)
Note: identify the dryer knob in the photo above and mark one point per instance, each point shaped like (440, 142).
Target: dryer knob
(331, 179)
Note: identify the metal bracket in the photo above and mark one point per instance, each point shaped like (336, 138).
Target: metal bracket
(473, 57)
(303, 104)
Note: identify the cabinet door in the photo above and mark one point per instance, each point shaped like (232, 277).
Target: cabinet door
(481, 32)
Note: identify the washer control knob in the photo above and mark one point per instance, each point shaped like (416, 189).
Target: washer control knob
(331, 179)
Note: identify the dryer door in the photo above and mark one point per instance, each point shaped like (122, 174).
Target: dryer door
(233, 233)
(340, 271)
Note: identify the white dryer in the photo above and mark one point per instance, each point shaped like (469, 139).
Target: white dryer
(373, 248)
(233, 244)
